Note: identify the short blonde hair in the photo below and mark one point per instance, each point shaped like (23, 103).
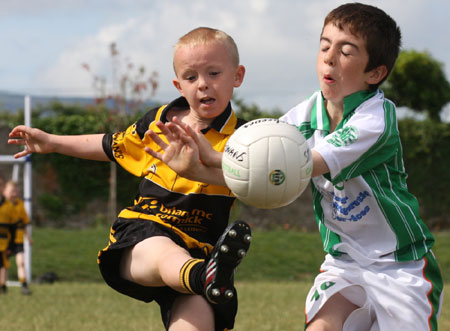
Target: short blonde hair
(205, 36)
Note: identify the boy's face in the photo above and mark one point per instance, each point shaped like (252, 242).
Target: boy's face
(206, 77)
(341, 63)
(10, 192)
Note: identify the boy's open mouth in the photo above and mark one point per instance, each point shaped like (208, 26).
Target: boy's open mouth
(328, 78)
(207, 101)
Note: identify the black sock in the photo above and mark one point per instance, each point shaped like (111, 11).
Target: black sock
(192, 275)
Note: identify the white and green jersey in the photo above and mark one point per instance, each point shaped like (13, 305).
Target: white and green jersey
(362, 206)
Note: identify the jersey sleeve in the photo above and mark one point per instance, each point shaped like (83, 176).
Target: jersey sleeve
(127, 147)
(367, 140)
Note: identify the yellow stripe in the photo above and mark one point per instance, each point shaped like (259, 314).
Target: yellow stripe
(185, 272)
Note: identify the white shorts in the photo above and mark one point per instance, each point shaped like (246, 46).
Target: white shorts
(392, 295)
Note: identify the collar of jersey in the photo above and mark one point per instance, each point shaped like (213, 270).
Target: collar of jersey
(219, 123)
(319, 117)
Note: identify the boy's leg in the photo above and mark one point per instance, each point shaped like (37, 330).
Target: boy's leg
(191, 313)
(333, 314)
(20, 261)
(158, 261)
(155, 261)
(3, 272)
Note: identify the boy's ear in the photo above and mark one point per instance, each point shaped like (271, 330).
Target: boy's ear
(177, 84)
(377, 74)
(239, 76)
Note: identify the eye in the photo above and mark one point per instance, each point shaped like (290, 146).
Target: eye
(346, 50)
(191, 78)
(214, 73)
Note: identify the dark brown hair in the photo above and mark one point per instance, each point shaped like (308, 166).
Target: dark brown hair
(379, 30)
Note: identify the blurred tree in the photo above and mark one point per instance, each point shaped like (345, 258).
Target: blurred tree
(130, 89)
(418, 82)
(251, 112)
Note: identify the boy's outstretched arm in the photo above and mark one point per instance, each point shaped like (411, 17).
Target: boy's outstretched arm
(37, 141)
(181, 154)
(213, 158)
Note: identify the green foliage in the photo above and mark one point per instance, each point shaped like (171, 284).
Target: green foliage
(67, 184)
(251, 112)
(418, 82)
(425, 147)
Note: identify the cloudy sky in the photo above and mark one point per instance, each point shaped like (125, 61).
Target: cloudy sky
(44, 42)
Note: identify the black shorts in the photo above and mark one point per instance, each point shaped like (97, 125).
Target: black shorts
(17, 248)
(127, 234)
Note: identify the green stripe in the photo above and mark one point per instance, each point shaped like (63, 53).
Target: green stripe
(329, 238)
(400, 209)
(382, 150)
(305, 129)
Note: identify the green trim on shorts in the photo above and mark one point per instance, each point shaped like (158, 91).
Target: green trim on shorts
(432, 273)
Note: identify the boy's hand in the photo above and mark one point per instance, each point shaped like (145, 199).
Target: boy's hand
(34, 140)
(208, 155)
(180, 154)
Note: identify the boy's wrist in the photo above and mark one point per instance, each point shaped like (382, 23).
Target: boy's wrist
(214, 160)
(205, 174)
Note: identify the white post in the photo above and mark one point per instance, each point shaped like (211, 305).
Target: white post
(15, 173)
(27, 193)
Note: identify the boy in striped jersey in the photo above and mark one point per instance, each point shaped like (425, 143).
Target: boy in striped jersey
(379, 272)
(174, 245)
(19, 231)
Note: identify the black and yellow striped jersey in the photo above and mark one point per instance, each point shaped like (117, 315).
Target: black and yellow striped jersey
(7, 218)
(21, 221)
(194, 210)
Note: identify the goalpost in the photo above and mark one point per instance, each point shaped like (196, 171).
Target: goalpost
(27, 185)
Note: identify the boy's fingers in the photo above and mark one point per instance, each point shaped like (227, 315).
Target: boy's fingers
(156, 139)
(153, 153)
(21, 154)
(166, 131)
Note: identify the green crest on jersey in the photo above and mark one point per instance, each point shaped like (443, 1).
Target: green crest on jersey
(344, 137)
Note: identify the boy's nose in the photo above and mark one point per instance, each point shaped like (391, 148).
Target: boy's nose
(329, 57)
(202, 83)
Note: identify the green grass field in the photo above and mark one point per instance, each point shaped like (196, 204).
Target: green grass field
(272, 283)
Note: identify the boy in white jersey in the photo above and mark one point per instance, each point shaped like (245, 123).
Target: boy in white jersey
(379, 272)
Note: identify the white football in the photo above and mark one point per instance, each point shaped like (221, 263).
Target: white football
(267, 163)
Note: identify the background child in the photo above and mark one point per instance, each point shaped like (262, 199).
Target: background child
(7, 218)
(379, 272)
(19, 231)
(162, 248)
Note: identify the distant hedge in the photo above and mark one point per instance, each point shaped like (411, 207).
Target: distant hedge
(426, 149)
(65, 186)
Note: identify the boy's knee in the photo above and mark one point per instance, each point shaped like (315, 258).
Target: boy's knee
(333, 314)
